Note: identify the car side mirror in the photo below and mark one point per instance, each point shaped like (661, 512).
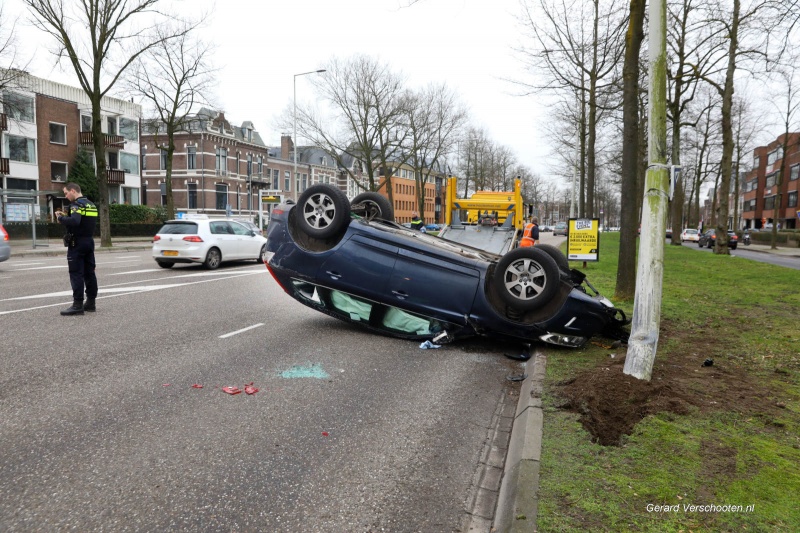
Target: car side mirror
(252, 233)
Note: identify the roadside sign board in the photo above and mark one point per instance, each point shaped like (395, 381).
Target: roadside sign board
(583, 239)
(271, 198)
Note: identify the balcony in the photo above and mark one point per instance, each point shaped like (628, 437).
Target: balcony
(3, 122)
(115, 177)
(4, 165)
(111, 141)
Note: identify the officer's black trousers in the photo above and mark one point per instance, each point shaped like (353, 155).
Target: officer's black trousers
(80, 259)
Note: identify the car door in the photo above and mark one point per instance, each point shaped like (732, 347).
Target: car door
(248, 245)
(437, 285)
(224, 239)
(361, 266)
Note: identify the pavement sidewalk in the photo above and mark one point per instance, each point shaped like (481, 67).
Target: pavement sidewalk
(54, 247)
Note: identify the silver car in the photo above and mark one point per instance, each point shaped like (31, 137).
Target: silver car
(209, 242)
(5, 249)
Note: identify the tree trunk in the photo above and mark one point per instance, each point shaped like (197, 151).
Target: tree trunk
(626, 270)
(98, 140)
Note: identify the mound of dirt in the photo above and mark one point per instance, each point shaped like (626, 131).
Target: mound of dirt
(612, 403)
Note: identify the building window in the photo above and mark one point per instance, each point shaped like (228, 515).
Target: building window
(18, 107)
(305, 182)
(276, 178)
(775, 155)
(130, 195)
(287, 181)
(163, 159)
(249, 165)
(222, 161)
(792, 198)
(20, 149)
(58, 171)
(129, 129)
(163, 187)
(86, 123)
(771, 179)
(58, 133)
(769, 202)
(191, 157)
(111, 125)
(129, 162)
(192, 188)
(794, 172)
(222, 196)
(260, 165)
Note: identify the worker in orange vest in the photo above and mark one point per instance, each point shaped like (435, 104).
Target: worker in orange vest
(530, 235)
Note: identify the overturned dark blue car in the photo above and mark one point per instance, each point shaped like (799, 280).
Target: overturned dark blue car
(351, 261)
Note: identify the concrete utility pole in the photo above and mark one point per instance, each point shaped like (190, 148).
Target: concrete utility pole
(650, 270)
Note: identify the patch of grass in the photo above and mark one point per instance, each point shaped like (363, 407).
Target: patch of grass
(741, 313)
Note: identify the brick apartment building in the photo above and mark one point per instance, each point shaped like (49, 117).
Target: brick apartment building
(764, 201)
(218, 166)
(43, 126)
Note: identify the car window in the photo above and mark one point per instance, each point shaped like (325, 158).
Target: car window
(178, 228)
(220, 228)
(239, 229)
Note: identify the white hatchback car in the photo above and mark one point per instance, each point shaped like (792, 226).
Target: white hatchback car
(689, 234)
(209, 242)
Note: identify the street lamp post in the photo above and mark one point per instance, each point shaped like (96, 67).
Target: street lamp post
(294, 137)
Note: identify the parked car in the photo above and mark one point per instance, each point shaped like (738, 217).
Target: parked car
(210, 242)
(5, 249)
(709, 238)
(249, 225)
(560, 229)
(433, 227)
(392, 280)
(690, 234)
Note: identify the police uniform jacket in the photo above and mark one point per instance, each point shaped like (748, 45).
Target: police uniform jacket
(81, 219)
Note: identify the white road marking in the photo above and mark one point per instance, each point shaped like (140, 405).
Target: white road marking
(121, 291)
(135, 272)
(29, 264)
(40, 268)
(248, 328)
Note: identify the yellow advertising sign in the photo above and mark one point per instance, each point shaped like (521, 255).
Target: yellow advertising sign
(270, 198)
(583, 239)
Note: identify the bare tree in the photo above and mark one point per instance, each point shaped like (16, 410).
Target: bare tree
(685, 44)
(369, 122)
(742, 33)
(435, 119)
(100, 39)
(173, 78)
(789, 113)
(580, 55)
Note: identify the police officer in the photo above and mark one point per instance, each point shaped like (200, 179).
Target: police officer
(416, 222)
(80, 222)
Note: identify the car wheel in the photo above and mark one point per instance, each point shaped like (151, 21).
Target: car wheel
(733, 247)
(262, 254)
(165, 264)
(710, 244)
(323, 211)
(558, 257)
(526, 278)
(371, 205)
(213, 259)
(699, 244)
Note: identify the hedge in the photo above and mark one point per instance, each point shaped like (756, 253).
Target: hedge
(54, 230)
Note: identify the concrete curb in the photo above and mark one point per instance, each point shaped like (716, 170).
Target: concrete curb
(518, 503)
(58, 250)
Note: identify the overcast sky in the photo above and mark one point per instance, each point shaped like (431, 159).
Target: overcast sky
(261, 45)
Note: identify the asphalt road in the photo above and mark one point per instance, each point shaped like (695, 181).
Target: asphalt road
(101, 428)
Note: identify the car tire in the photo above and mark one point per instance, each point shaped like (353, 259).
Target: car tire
(165, 264)
(375, 205)
(261, 254)
(526, 278)
(322, 211)
(558, 257)
(213, 259)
